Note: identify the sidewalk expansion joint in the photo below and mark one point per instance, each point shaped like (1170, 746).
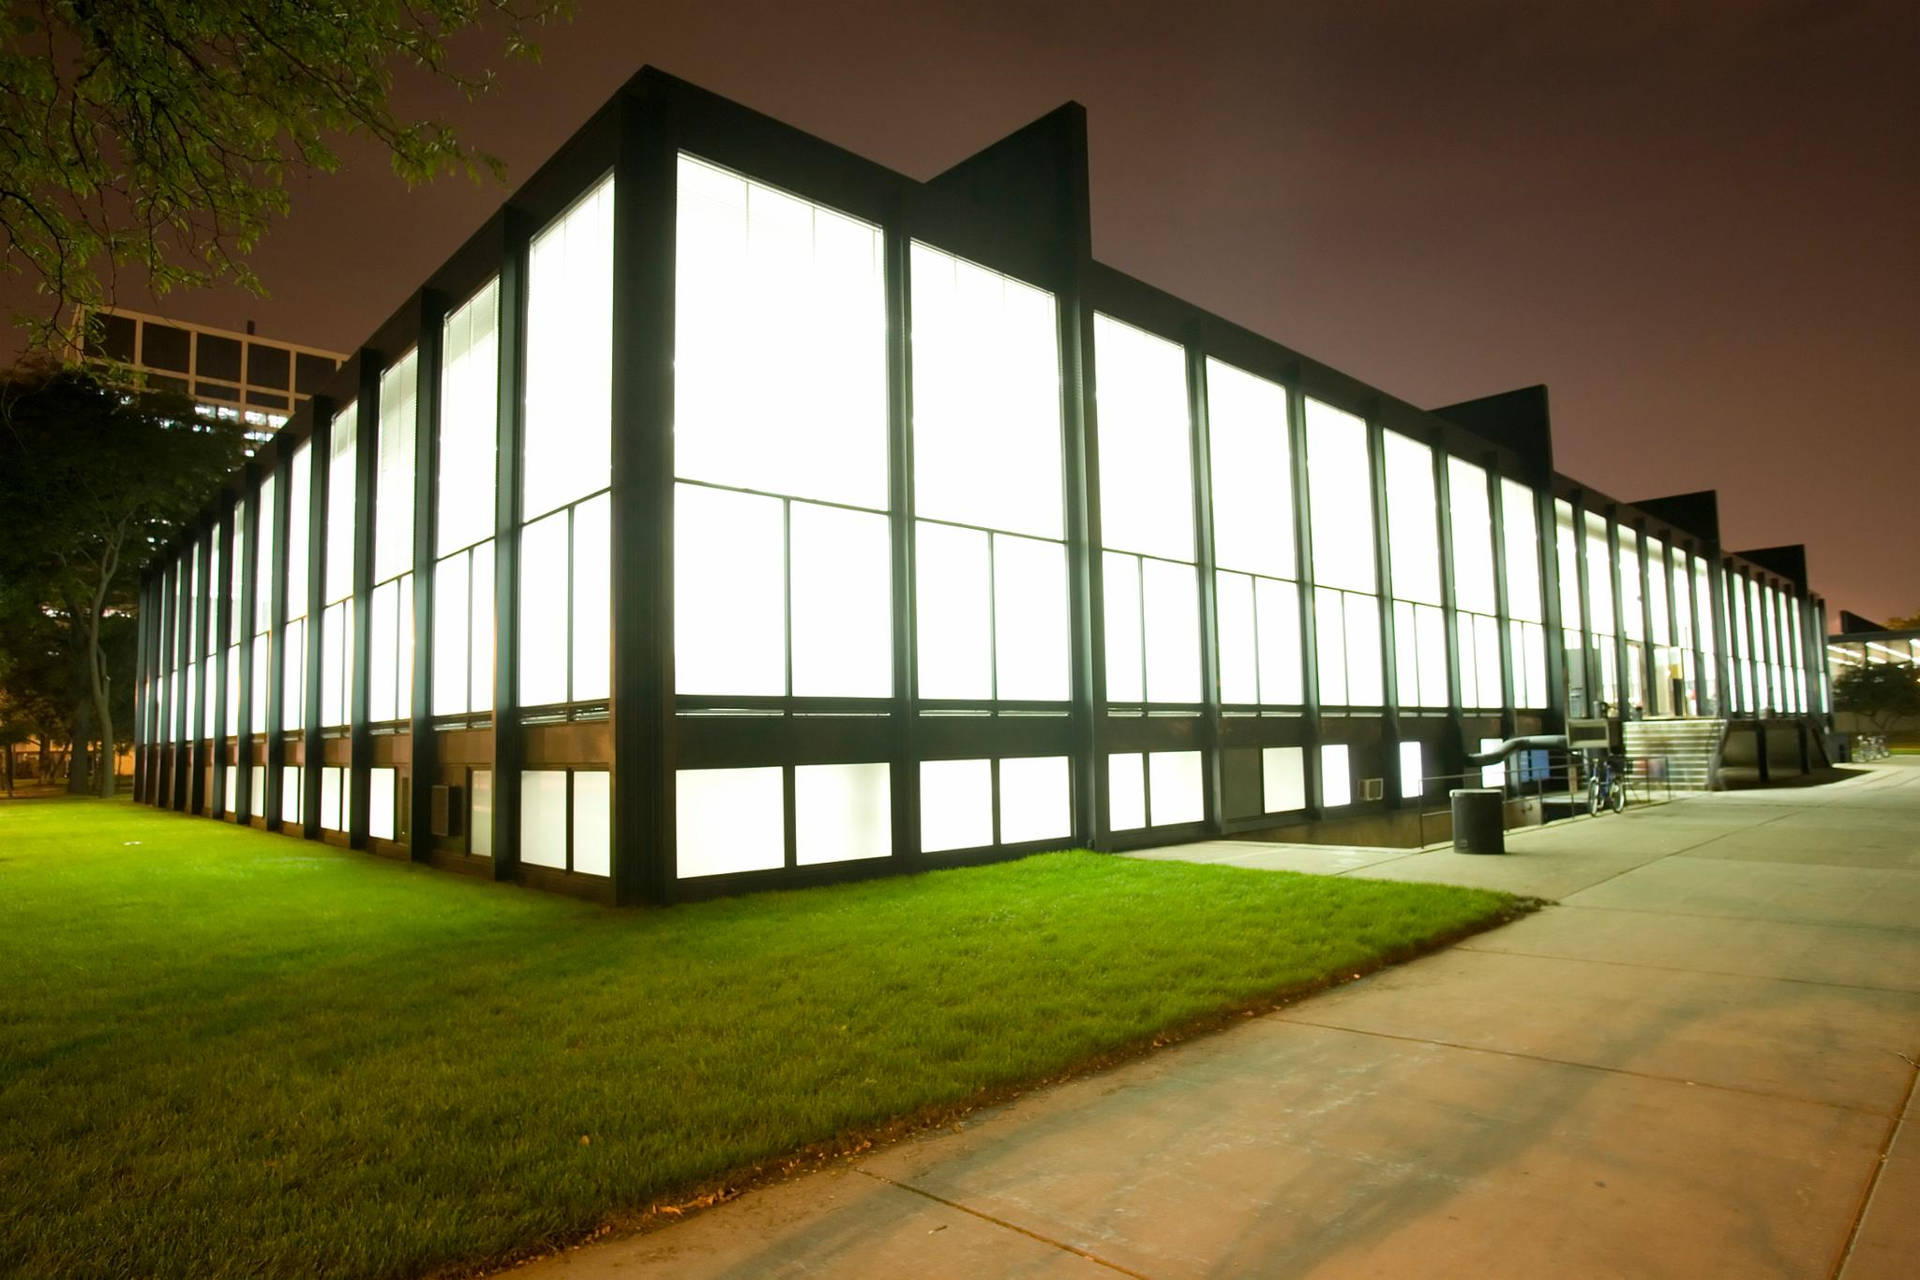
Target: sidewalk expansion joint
(1873, 1179)
(1061, 1245)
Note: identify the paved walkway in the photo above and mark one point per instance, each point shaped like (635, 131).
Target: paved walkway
(1696, 1066)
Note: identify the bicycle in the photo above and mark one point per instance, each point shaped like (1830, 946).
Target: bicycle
(1870, 746)
(1607, 785)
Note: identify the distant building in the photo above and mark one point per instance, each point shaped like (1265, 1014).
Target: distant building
(239, 377)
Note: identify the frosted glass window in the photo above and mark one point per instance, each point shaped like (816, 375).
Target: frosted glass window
(193, 701)
(452, 617)
(233, 692)
(1032, 626)
(1233, 615)
(986, 397)
(1521, 527)
(1599, 578)
(1126, 791)
(593, 822)
(1330, 646)
(469, 420)
(1495, 774)
(1479, 639)
(780, 359)
(1567, 549)
(1283, 779)
(1420, 654)
(1703, 615)
(290, 780)
(1529, 645)
(237, 617)
(1471, 522)
(1277, 612)
(1340, 498)
(1413, 528)
(543, 818)
(543, 611)
(1682, 600)
(210, 633)
(729, 820)
(954, 612)
(299, 529)
(1412, 772)
(1633, 618)
(1365, 676)
(1145, 458)
(842, 812)
(1175, 787)
(480, 830)
(393, 481)
(1251, 467)
(1172, 594)
(1657, 592)
(1036, 794)
(842, 603)
(293, 684)
(336, 672)
(340, 504)
(382, 785)
(264, 566)
(1125, 653)
(569, 356)
(230, 787)
(956, 804)
(592, 618)
(333, 799)
(390, 656)
(261, 668)
(1336, 786)
(729, 593)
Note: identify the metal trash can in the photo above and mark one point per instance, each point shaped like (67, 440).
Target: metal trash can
(1479, 820)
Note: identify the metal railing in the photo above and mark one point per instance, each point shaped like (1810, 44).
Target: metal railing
(1648, 777)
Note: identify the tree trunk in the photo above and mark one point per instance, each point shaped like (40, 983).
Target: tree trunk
(78, 760)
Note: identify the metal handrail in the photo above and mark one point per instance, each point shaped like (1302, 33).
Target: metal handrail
(1562, 766)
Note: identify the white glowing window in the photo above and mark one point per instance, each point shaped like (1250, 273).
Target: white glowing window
(1238, 661)
(591, 621)
(543, 818)
(262, 666)
(1258, 623)
(299, 529)
(293, 683)
(333, 798)
(1172, 605)
(463, 631)
(1567, 550)
(1336, 785)
(569, 356)
(480, 803)
(1413, 527)
(1420, 653)
(1176, 789)
(1682, 599)
(1599, 578)
(729, 593)
(1633, 621)
(1520, 525)
(1120, 580)
(393, 481)
(1340, 498)
(1277, 613)
(264, 566)
(390, 655)
(210, 633)
(1252, 472)
(1330, 646)
(1032, 629)
(1479, 643)
(841, 812)
(1145, 451)
(290, 794)
(1347, 628)
(341, 508)
(256, 790)
(1412, 775)
(236, 616)
(729, 820)
(1529, 645)
(233, 691)
(1283, 779)
(1662, 632)
(986, 397)
(230, 788)
(382, 785)
(780, 377)
(841, 603)
(592, 822)
(193, 701)
(543, 611)
(1126, 791)
(954, 612)
(469, 420)
(336, 670)
(956, 804)
(1036, 795)
(1470, 521)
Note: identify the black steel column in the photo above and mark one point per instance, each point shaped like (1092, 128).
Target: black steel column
(1502, 608)
(508, 736)
(198, 751)
(1086, 587)
(320, 493)
(282, 480)
(1583, 574)
(246, 525)
(1673, 623)
(1546, 536)
(905, 711)
(366, 465)
(644, 202)
(1722, 636)
(1449, 610)
(222, 628)
(1309, 606)
(1646, 618)
(1383, 599)
(1200, 455)
(425, 747)
(1622, 690)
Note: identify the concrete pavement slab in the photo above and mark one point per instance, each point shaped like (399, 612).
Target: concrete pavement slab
(1862, 897)
(1887, 1246)
(1888, 959)
(1314, 859)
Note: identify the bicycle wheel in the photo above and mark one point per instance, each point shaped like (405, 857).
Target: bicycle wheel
(1594, 796)
(1619, 795)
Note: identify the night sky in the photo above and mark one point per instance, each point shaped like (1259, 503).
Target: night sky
(1698, 224)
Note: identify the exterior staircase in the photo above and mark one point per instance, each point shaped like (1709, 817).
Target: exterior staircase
(1691, 746)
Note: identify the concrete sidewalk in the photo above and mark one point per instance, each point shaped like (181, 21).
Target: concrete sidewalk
(1697, 1065)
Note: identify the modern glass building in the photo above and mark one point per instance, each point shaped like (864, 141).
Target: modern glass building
(732, 511)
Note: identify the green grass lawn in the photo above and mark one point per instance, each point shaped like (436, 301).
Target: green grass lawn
(224, 1053)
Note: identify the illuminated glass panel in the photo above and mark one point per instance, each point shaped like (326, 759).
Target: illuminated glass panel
(1520, 526)
(1413, 527)
(1125, 649)
(1412, 776)
(336, 667)
(1126, 791)
(290, 780)
(389, 659)
(469, 421)
(480, 831)
(592, 616)
(1031, 621)
(1145, 451)
(543, 611)
(1175, 787)
(569, 356)
(543, 817)
(265, 565)
(1252, 472)
(1470, 520)
(382, 797)
(393, 483)
(1599, 578)
(956, 804)
(842, 812)
(986, 398)
(730, 592)
(592, 822)
(841, 565)
(1336, 785)
(1339, 490)
(340, 505)
(1633, 618)
(780, 380)
(1036, 799)
(1172, 596)
(1283, 779)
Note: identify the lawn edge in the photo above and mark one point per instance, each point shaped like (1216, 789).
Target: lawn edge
(707, 1193)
